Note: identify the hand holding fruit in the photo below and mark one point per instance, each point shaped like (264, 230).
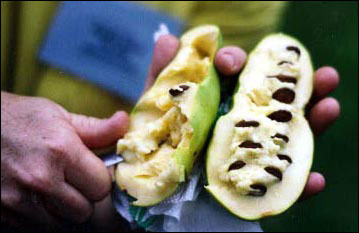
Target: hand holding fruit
(48, 174)
(229, 61)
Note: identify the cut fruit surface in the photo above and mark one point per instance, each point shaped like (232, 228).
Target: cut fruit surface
(170, 123)
(261, 152)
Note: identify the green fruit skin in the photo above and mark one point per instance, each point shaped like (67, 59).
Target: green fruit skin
(202, 117)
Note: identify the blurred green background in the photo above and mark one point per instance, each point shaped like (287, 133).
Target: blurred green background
(330, 31)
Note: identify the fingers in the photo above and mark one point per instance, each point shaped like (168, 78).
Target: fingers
(315, 185)
(51, 207)
(165, 50)
(41, 189)
(324, 113)
(68, 204)
(46, 192)
(87, 173)
(105, 218)
(229, 60)
(20, 205)
(326, 79)
(13, 204)
(96, 133)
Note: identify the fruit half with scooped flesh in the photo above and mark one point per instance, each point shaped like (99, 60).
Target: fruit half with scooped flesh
(170, 123)
(261, 152)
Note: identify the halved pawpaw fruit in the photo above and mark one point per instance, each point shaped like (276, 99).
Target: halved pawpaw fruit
(170, 123)
(261, 152)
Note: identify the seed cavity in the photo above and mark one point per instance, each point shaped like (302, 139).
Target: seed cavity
(284, 78)
(281, 136)
(260, 190)
(285, 62)
(294, 49)
(275, 172)
(250, 144)
(280, 116)
(236, 165)
(285, 157)
(244, 123)
(284, 95)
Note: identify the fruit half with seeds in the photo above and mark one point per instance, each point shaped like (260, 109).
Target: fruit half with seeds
(170, 123)
(261, 152)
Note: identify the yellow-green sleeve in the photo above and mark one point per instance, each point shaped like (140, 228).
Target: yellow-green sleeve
(78, 96)
(242, 23)
(5, 40)
(34, 19)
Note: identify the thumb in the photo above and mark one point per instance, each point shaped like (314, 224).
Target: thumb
(96, 133)
(164, 51)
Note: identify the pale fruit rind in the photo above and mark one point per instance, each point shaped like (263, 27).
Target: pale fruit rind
(261, 152)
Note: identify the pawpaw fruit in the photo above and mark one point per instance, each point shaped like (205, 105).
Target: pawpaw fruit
(261, 152)
(170, 123)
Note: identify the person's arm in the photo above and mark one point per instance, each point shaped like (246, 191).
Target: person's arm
(48, 173)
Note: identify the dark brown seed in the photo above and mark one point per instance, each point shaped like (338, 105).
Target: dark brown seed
(244, 123)
(250, 144)
(280, 116)
(284, 78)
(281, 136)
(285, 157)
(260, 190)
(274, 171)
(284, 95)
(175, 92)
(184, 87)
(294, 49)
(236, 165)
(285, 62)
(161, 143)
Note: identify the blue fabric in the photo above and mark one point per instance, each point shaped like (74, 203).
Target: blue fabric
(107, 43)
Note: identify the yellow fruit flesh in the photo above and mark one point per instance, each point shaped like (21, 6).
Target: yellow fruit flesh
(159, 143)
(254, 102)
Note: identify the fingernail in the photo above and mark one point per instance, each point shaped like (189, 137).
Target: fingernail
(120, 115)
(229, 59)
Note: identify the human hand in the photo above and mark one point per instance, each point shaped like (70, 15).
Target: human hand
(229, 61)
(322, 110)
(48, 174)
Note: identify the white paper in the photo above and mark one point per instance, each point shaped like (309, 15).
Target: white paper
(189, 209)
